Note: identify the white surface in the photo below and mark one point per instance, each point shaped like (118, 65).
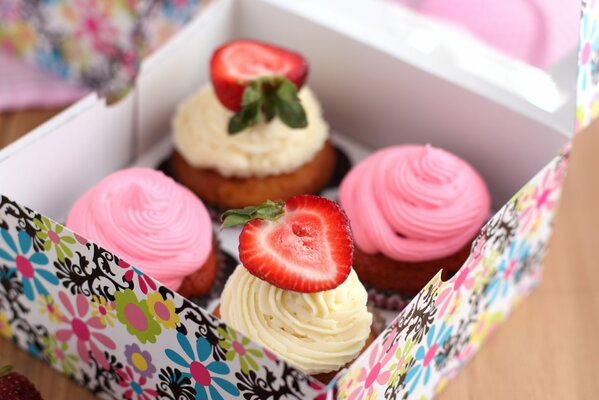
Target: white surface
(368, 92)
(447, 52)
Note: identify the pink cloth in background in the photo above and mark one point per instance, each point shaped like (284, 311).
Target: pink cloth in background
(26, 86)
(538, 32)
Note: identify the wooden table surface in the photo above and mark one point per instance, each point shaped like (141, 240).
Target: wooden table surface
(546, 350)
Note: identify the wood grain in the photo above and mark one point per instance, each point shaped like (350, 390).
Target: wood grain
(546, 349)
(14, 125)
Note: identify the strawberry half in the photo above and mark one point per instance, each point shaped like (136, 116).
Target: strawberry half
(14, 386)
(303, 245)
(247, 75)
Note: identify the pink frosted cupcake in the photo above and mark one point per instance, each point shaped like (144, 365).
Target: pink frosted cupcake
(413, 210)
(153, 223)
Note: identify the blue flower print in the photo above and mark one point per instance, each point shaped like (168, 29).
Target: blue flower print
(25, 264)
(200, 369)
(179, 10)
(508, 266)
(588, 45)
(53, 61)
(426, 354)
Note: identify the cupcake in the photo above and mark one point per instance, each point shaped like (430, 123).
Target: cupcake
(153, 223)
(295, 291)
(413, 211)
(255, 133)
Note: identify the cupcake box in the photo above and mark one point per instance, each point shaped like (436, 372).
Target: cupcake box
(115, 330)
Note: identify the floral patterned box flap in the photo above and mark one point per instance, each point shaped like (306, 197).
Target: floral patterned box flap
(118, 332)
(98, 44)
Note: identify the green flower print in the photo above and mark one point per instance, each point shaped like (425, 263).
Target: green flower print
(404, 356)
(57, 354)
(51, 237)
(135, 315)
(237, 346)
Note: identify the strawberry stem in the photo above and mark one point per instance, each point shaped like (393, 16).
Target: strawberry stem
(5, 370)
(265, 98)
(269, 210)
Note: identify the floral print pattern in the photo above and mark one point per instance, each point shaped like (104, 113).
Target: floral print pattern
(144, 282)
(85, 331)
(135, 315)
(96, 43)
(135, 388)
(141, 361)
(51, 237)
(163, 310)
(587, 96)
(27, 265)
(373, 372)
(426, 354)
(237, 347)
(58, 355)
(207, 376)
(103, 309)
(50, 308)
(508, 265)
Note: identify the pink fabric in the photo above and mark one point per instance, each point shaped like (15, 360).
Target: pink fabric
(25, 86)
(538, 32)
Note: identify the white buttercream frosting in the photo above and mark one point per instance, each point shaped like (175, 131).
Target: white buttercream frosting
(273, 148)
(315, 332)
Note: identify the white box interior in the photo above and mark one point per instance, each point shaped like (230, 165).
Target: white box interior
(373, 90)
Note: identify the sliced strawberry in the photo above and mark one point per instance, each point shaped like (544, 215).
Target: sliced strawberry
(305, 248)
(238, 63)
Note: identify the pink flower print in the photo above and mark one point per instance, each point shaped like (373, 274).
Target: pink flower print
(80, 238)
(135, 387)
(84, 330)
(347, 383)
(465, 354)
(130, 63)
(143, 281)
(270, 355)
(427, 356)
(538, 200)
(10, 12)
(95, 26)
(319, 386)
(371, 373)
(485, 326)
(464, 279)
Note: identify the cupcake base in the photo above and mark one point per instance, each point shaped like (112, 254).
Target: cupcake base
(227, 193)
(328, 376)
(406, 278)
(200, 282)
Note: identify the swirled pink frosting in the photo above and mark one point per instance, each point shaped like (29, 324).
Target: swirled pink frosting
(147, 219)
(414, 203)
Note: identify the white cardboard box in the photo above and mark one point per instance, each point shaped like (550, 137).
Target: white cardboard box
(375, 92)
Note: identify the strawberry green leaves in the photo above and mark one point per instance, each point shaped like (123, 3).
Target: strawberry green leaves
(265, 98)
(270, 210)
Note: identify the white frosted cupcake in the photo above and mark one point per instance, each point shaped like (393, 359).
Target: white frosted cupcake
(254, 133)
(295, 291)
